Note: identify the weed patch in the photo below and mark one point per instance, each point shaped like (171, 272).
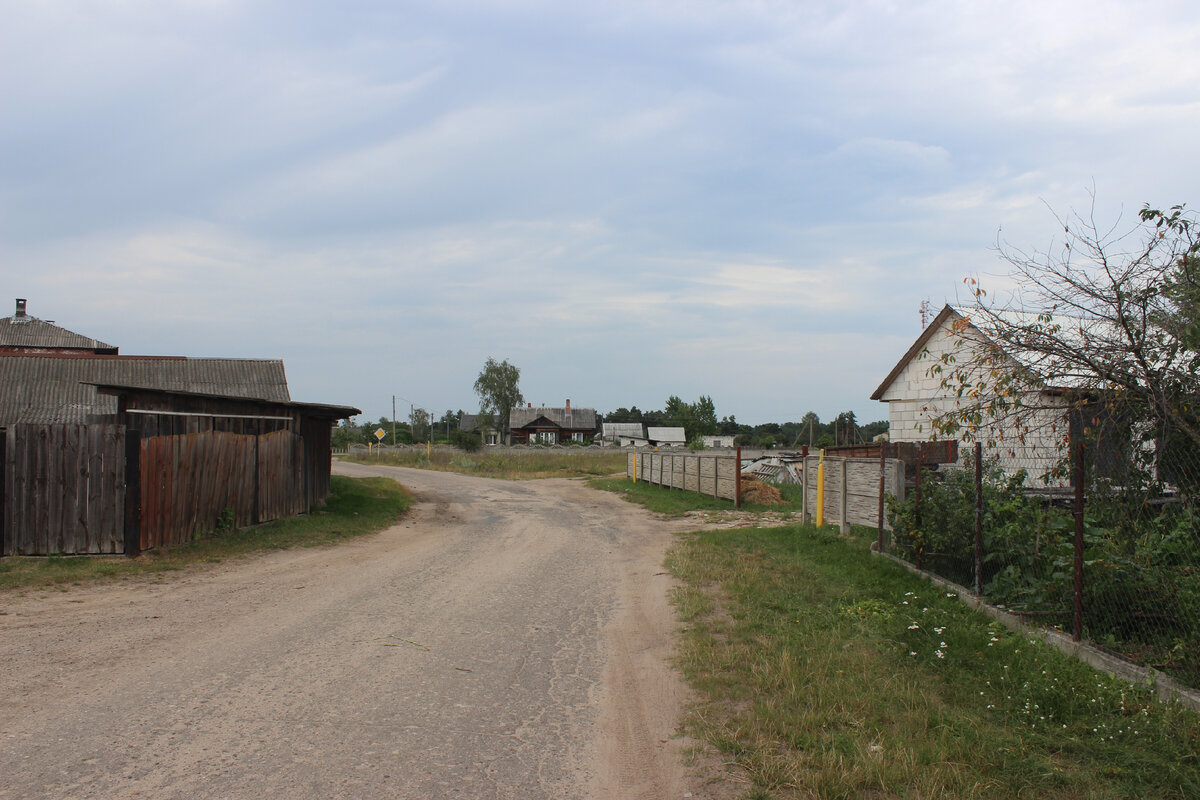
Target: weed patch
(823, 672)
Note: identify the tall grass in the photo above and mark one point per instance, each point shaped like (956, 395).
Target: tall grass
(823, 672)
(356, 506)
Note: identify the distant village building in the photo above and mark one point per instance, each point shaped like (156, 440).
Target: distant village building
(666, 437)
(916, 397)
(538, 425)
(719, 440)
(28, 335)
(623, 434)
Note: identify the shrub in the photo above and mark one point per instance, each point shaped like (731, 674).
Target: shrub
(468, 441)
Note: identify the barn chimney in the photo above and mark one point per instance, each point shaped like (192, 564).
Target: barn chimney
(20, 308)
(568, 405)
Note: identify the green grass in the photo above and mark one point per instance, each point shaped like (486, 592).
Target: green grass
(823, 672)
(535, 463)
(676, 503)
(356, 506)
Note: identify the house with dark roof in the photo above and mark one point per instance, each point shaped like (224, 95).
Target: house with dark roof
(530, 425)
(538, 425)
(28, 335)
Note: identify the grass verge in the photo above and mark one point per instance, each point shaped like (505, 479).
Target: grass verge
(676, 503)
(535, 463)
(823, 672)
(356, 506)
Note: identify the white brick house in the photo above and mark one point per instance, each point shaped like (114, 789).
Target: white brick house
(915, 397)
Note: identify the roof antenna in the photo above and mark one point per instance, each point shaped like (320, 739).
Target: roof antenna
(925, 314)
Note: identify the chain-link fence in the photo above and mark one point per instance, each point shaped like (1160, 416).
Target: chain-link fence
(1114, 559)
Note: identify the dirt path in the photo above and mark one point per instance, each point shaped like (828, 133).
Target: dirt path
(507, 640)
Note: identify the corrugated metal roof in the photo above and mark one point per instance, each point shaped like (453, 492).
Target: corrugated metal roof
(48, 389)
(35, 333)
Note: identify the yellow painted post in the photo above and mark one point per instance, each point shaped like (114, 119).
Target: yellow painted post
(635, 466)
(821, 489)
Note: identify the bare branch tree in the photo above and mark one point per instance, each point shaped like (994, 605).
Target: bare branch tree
(1105, 324)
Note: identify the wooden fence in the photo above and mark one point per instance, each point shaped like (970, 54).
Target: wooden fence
(97, 489)
(200, 481)
(853, 486)
(63, 489)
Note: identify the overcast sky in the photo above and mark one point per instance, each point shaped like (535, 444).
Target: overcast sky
(627, 200)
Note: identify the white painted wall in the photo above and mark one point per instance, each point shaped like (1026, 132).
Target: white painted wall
(915, 398)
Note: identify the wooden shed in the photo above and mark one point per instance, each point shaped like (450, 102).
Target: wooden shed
(118, 454)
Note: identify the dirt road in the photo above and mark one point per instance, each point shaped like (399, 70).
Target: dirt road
(506, 640)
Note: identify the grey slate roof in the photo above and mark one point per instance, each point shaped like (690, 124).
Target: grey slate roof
(635, 430)
(666, 435)
(578, 419)
(30, 332)
(51, 389)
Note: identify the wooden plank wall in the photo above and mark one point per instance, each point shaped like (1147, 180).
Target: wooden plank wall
(189, 481)
(197, 482)
(64, 489)
(280, 476)
(713, 475)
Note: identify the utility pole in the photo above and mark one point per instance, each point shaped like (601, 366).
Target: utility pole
(393, 420)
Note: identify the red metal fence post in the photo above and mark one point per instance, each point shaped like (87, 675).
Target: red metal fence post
(979, 519)
(882, 473)
(1077, 480)
(920, 550)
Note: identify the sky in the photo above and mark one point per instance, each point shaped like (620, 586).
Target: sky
(627, 200)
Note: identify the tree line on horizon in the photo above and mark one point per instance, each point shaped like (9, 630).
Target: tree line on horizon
(697, 419)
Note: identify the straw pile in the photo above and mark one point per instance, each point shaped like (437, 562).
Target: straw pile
(760, 493)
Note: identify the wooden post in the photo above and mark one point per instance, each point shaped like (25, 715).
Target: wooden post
(133, 492)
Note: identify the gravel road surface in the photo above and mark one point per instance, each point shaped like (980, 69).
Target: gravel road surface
(506, 640)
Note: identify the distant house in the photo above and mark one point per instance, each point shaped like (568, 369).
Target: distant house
(23, 334)
(623, 434)
(720, 440)
(915, 397)
(530, 425)
(666, 437)
(538, 425)
(473, 423)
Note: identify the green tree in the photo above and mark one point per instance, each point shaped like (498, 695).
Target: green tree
(499, 392)
(704, 417)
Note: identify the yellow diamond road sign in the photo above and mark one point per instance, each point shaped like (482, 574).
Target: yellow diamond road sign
(379, 434)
